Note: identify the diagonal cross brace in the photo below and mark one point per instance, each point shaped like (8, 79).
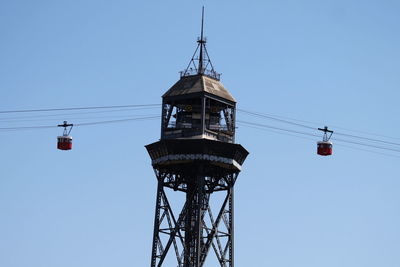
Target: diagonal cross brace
(175, 230)
(214, 230)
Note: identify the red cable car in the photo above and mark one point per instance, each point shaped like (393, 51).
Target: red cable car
(324, 147)
(64, 142)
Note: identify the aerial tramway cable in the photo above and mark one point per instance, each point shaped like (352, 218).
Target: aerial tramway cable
(276, 128)
(275, 118)
(19, 118)
(77, 124)
(313, 135)
(76, 118)
(117, 109)
(75, 108)
(123, 108)
(278, 118)
(293, 121)
(117, 121)
(313, 139)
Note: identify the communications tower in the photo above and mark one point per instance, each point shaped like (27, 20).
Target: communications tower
(196, 156)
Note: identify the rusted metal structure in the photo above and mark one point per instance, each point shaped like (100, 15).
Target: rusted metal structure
(196, 156)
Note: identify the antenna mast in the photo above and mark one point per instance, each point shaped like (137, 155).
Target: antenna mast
(201, 65)
(202, 43)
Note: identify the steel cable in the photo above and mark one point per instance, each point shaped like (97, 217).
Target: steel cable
(75, 108)
(77, 124)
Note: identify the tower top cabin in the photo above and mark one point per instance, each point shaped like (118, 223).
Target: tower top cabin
(198, 106)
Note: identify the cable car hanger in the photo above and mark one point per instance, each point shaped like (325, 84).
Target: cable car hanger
(326, 131)
(66, 125)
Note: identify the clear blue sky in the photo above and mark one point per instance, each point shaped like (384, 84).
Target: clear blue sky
(333, 62)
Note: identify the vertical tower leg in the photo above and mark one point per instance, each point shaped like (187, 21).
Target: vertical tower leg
(156, 225)
(231, 227)
(193, 222)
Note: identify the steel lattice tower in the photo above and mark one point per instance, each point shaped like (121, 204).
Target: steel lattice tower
(196, 156)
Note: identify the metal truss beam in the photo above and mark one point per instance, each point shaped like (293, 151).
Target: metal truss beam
(196, 230)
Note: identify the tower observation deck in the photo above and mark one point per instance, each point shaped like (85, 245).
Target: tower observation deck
(196, 156)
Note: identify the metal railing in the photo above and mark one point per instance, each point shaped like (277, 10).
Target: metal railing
(210, 73)
(212, 127)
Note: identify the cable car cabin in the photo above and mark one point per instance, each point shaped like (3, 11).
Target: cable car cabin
(64, 142)
(324, 148)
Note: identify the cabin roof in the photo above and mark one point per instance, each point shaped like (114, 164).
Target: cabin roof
(197, 84)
